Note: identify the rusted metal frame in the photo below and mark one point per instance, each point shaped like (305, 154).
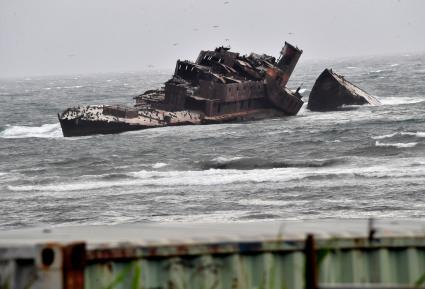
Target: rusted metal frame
(311, 268)
(377, 243)
(367, 286)
(140, 252)
(62, 265)
(136, 252)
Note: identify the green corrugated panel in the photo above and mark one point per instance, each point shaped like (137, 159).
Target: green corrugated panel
(269, 267)
(261, 271)
(384, 266)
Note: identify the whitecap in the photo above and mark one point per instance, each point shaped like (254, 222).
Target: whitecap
(351, 67)
(159, 165)
(396, 145)
(385, 136)
(222, 159)
(212, 177)
(416, 134)
(394, 65)
(288, 176)
(400, 100)
(43, 131)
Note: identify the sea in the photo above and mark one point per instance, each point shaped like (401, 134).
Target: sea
(356, 162)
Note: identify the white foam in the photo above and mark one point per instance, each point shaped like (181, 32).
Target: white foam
(351, 67)
(210, 177)
(302, 90)
(260, 202)
(43, 131)
(385, 136)
(415, 134)
(68, 87)
(159, 165)
(223, 160)
(394, 65)
(400, 100)
(171, 180)
(216, 216)
(396, 145)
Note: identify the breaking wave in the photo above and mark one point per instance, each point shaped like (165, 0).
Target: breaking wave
(418, 134)
(396, 145)
(43, 131)
(162, 179)
(287, 177)
(390, 100)
(240, 163)
(385, 136)
(159, 165)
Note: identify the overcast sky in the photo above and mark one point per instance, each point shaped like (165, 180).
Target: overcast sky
(48, 37)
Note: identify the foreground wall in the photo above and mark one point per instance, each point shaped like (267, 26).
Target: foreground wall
(278, 262)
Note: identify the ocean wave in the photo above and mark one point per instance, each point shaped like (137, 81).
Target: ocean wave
(390, 100)
(261, 202)
(146, 180)
(396, 145)
(415, 134)
(241, 163)
(385, 136)
(418, 134)
(210, 177)
(65, 87)
(43, 131)
(159, 165)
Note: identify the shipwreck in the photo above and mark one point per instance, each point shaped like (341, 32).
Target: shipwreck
(331, 91)
(220, 86)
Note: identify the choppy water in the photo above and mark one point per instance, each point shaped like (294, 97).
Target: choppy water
(356, 162)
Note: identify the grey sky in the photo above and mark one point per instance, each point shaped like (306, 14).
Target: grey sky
(82, 36)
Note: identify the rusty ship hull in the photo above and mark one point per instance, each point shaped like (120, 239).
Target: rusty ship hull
(80, 127)
(332, 91)
(220, 86)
